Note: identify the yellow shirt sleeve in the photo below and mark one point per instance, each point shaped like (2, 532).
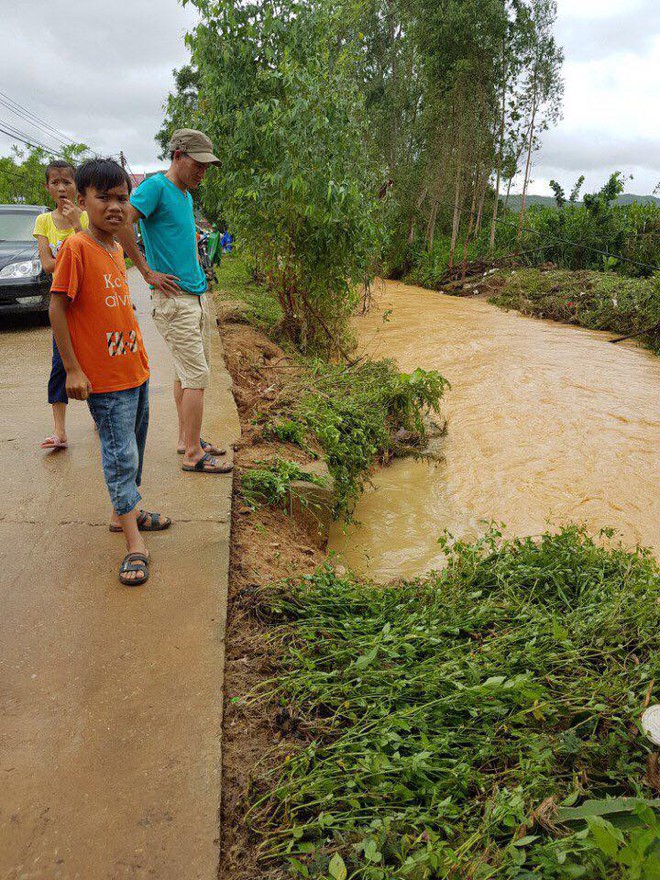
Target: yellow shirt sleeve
(41, 225)
(84, 220)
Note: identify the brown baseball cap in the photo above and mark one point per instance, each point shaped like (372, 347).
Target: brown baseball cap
(195, 144)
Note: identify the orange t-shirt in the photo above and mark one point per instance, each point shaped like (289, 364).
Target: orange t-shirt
(104, 330)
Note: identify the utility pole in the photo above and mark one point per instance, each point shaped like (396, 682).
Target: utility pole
(122, 159)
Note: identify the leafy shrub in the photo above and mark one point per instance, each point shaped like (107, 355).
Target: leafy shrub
(353, 411)
(279, 97)
(286, 431)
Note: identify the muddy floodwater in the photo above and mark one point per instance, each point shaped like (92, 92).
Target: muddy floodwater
(547, 424)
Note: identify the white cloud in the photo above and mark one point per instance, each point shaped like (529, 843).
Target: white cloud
(612, 72)
(97, 71)
(100, 72)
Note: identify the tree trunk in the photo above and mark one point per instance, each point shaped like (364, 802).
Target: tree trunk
(508, 193)
(500, 152)
(456, 224)
(394, 69)
(412, 222)
(528, 168)
(471, 223)
(430, 228)
(482, 201)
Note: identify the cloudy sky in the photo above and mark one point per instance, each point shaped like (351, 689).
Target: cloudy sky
(100, 72)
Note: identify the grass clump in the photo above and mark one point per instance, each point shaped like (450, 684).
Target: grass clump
(236, 282)
(480, 722)
(269, 483)
(597, 300)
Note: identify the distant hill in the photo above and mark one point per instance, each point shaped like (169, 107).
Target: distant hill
(515, 201)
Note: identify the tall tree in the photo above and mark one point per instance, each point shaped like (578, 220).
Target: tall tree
(278, 93)
(543, 87)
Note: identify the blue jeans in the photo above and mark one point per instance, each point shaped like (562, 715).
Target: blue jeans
(57, 381)
(122, 419)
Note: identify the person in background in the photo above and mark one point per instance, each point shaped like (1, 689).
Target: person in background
(103, 353)
(164, 207)
(226, 242)
(51, 230)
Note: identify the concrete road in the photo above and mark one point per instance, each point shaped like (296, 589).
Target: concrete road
(110, 698)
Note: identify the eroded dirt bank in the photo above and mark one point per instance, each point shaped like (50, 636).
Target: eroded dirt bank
(266, 545)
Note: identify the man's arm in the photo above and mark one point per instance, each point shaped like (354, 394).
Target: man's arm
(167, 284)
(78, 385)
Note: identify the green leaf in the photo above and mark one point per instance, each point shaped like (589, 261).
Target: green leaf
(606, 836)
(371, 851)
(337, 868)
(525, 841)
(494, 681)
(367, 659)
(604, 807)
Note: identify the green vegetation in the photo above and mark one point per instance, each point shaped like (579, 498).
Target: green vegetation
(353, 412)
(597, 300)
(353, 133)
(598, 233)
(236, 281)
(480, 722)
(593, 235)
(349, 412)
(270, 482)
(279, 96)
(22, 177)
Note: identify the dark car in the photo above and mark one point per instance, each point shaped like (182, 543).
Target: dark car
(24, 286)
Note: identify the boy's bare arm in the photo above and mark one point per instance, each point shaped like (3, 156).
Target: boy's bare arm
(78, 385)
(46, 255)
(167, 284)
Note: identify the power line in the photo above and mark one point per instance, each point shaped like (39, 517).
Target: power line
(41, 129)
(16, 135)
(38, 122)
(31, 117)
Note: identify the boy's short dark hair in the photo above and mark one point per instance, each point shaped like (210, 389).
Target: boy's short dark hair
(102, 174)
(59, 163)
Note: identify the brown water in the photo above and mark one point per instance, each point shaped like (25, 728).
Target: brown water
(547, 424)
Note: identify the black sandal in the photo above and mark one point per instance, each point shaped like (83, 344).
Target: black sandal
(207, 447)
(148, 522)
(134, 562)
(215, 468)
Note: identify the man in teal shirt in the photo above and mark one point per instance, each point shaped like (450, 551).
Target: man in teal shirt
(164, 208)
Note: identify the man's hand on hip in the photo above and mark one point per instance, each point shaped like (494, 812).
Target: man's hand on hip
(167, 284)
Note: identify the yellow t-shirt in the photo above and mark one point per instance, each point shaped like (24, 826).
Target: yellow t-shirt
(44, 225)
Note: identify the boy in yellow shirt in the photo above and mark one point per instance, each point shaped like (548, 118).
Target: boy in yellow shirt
(51, 231)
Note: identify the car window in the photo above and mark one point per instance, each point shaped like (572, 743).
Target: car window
(16, 226)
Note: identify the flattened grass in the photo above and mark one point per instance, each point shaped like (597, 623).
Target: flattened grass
(597, 300)
(442, 722)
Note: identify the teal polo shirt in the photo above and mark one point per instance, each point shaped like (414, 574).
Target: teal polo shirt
(169, 231)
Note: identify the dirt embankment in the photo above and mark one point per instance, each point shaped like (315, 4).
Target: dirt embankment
(266, 545)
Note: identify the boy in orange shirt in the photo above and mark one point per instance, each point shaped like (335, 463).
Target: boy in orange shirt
(101, 346)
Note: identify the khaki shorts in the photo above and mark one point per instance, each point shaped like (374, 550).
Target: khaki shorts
(184, 322)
